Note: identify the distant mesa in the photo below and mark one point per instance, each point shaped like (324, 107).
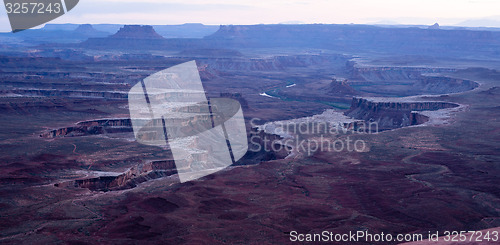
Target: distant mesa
(85, 28)
(70, 33)
(189, 30)
(434, 27)
(137, 32)
(129, 37)
(348, 38)
(89, 30)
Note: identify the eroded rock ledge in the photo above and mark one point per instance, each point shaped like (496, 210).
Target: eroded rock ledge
(94, 127)
(394, 114)
(128, 180)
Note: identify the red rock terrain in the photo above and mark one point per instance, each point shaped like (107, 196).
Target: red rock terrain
(87, 181)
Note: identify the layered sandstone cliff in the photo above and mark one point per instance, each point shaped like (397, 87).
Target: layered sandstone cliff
(94, 127)
(408, 81)
(129, 37)
(129, 179)
(394, 114)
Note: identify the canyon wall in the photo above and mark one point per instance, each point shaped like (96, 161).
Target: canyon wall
(443, 85)
(94, 127)
(127, 180)
(391, 115)
(385, 74)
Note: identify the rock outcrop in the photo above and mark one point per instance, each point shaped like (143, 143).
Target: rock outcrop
(391, 115)
(89, 31)
(261, 140)
(127, 180)
(434, 27)
(341, 88)
(129, 37)
(96, 127)
(136, 32)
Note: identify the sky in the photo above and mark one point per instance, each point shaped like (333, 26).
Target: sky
(216, 12)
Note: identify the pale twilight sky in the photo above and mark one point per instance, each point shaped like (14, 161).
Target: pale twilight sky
(426, 12)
